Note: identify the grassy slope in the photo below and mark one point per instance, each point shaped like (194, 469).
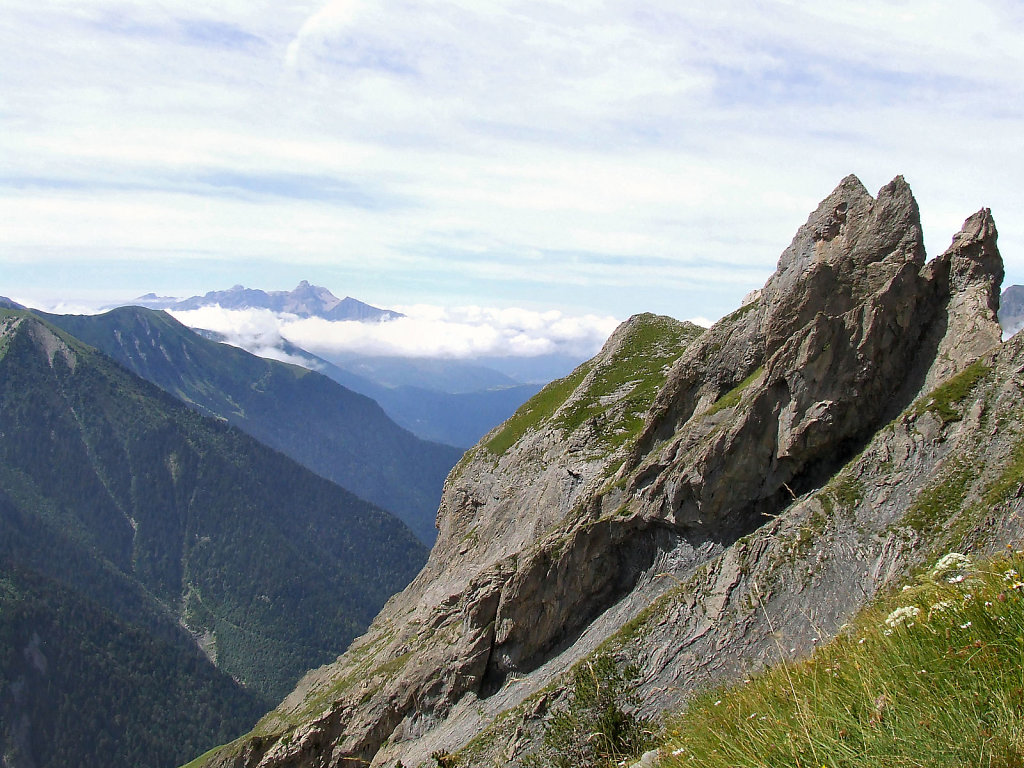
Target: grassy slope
(930, 675)
(630, 377)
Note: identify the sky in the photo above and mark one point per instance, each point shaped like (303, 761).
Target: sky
(568, 160)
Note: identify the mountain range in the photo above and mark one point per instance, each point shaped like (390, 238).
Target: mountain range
(694, 505)
(683, 510)
(342, 436)
(426, 408)
(1011, 310)
(163, 575)
(440, 400)
(304, 300)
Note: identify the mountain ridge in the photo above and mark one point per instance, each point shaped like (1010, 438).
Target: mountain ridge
(305, 300)
(572, 527)
(455, 419)
(123, 508)
(441, 401)
(341, 435)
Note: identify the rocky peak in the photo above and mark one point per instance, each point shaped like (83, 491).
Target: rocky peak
(848, 248)
(855, 326)
(976, 262)
(655, 457)
(969, 275)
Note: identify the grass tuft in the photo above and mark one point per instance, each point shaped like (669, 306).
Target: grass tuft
(944, 400)
(930, 676)
(732, 397)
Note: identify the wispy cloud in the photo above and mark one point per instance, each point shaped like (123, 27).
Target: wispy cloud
(425, 331)
(618, 157)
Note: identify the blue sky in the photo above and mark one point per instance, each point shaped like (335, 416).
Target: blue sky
(590, 158)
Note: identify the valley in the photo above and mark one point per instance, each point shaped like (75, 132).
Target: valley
(201, 561)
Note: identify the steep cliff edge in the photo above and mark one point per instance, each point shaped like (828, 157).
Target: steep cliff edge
(684, 494)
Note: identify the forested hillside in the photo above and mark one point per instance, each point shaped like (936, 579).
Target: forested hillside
(123, 508)
(342, 436)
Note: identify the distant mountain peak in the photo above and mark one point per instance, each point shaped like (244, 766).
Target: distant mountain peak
(1011, 309)
(305, 300)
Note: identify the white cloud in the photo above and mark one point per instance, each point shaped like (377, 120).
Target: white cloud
(425, 331)
(621, 156)
(249, 328)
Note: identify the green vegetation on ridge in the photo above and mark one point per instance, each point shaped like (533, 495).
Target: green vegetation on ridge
(732, 398)
(536, 411)
(623, 388)
(619, 390)
(943, 400)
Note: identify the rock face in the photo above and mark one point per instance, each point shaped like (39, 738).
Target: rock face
(682, 496)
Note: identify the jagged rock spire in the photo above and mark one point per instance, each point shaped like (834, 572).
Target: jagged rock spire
(766, 405)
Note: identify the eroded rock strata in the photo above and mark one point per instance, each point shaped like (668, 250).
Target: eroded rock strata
(700, 502)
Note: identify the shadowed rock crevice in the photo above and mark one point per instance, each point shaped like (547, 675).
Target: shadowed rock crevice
(559, 592)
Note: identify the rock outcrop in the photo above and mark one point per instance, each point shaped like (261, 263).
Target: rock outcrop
(686, 498)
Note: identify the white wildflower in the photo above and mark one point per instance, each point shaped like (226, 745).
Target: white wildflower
(1010, 574)
(950, 561)
(965, 625)
(902, 615)
(950, 567)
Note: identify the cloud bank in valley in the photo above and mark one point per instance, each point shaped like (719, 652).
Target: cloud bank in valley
(426, 331)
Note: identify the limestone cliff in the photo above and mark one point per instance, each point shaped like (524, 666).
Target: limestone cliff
(685, 499)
